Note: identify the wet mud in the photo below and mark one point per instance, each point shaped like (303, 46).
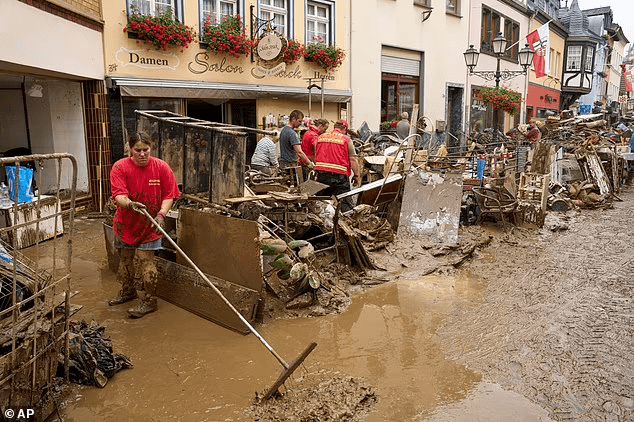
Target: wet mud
(522, 325)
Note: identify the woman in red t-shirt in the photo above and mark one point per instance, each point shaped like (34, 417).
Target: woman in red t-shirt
(138, 182)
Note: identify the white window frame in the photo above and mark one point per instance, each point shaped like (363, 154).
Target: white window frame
(217, 16)
(589, 57)
(150, 7)
(267, 10)
(576, 55)
(328, 6)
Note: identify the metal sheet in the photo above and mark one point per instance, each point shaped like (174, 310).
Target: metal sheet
(183, 287)
(225, 247)
(431, 206)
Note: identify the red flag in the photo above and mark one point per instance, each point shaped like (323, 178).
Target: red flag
(539, 42)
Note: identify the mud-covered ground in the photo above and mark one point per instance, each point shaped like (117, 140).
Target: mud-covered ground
(525, 324)
(557, 321)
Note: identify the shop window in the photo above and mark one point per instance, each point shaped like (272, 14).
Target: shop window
(217, 10)
(589, 56)
(490, 27)
(573, 59)
(453, 7)
(481, 115)
(278, 12)
(319, 22)
(156, 7)
(399, 93)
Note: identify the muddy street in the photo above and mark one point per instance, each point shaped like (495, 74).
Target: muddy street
(536, 327)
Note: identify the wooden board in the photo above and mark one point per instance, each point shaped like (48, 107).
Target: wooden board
(32, 233)
(183, 287)
(225, 247)
(227, 167)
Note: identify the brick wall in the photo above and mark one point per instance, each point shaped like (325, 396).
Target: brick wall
(83, 12)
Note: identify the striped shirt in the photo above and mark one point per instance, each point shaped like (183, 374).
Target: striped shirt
(265, 154)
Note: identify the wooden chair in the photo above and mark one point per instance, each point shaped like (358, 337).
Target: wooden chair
(496, 202)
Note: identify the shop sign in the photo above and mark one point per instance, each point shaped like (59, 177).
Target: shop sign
(260, 72)
(202, 64)
(269, 46)
(147, 59)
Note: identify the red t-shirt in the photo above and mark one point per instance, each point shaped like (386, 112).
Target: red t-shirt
(309, 143)
(150, 185)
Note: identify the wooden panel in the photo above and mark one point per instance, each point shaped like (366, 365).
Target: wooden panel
(171, 148)
(198, 159)
(28, 235)
(225, 247)
(228, 158)
(183, 287)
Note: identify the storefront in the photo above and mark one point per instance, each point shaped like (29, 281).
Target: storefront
(256, 90)
(541, 102)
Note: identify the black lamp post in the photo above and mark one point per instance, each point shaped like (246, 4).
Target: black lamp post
(525, 58)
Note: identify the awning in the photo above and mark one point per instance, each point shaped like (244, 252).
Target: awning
(163, 88)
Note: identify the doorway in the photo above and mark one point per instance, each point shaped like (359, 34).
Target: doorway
(455, 96)
(243, 114)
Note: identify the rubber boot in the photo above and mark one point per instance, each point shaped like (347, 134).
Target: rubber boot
(147, 304)
(125, 275)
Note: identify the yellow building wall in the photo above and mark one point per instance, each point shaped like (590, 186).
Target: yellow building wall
(557, 43)
(127, 57)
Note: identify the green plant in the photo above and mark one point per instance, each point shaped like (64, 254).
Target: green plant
(389, 124)
(162, 31)
(327, 56)
(228, 36)
(500, 98)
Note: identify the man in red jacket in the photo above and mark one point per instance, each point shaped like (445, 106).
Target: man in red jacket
(335, 161)
(140, 182)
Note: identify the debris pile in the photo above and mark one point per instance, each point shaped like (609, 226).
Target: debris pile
(92, 361)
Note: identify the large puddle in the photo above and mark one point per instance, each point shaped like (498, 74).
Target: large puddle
(189, 369)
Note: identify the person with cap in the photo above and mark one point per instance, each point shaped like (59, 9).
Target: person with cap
(402, 127)
(335, 161)
(309, 141)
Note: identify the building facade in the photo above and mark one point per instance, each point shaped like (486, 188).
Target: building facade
(51, 74)
(488, 19)
(407, 63)
(249, 89)
(544, 93)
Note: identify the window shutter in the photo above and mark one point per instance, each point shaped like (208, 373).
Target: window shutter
(400, 66)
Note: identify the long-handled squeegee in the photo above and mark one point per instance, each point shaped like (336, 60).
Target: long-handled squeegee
(288, 369)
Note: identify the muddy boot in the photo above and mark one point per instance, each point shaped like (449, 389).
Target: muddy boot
(125, 275)
(146, 305)
(125, 295)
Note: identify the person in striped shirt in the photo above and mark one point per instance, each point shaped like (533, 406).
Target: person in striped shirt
(264, 157)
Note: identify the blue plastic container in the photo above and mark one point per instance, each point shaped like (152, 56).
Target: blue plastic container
(24, 193)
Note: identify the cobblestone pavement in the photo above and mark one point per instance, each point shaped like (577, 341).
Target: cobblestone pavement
(557, 321)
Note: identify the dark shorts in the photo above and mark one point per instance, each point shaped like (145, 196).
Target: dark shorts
(150, 246)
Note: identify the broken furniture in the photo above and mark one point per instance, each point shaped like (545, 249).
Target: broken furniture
(28, 234)
(496, 202)
(533, 197)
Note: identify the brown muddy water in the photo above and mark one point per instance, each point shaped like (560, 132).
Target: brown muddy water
(189, 369)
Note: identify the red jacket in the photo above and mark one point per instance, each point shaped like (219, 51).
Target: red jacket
(309, 143)
(332, 153)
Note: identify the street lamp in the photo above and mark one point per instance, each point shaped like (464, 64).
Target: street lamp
(525, 58)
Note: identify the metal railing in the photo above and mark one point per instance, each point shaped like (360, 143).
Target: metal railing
(34, 323)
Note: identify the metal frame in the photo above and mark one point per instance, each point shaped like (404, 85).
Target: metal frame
(26, 357)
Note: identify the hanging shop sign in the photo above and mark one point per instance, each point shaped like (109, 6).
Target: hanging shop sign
(269, 46)
(147, 59)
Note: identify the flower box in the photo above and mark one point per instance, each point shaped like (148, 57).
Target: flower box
(228, 36)
(162, 31)
(328, 57)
